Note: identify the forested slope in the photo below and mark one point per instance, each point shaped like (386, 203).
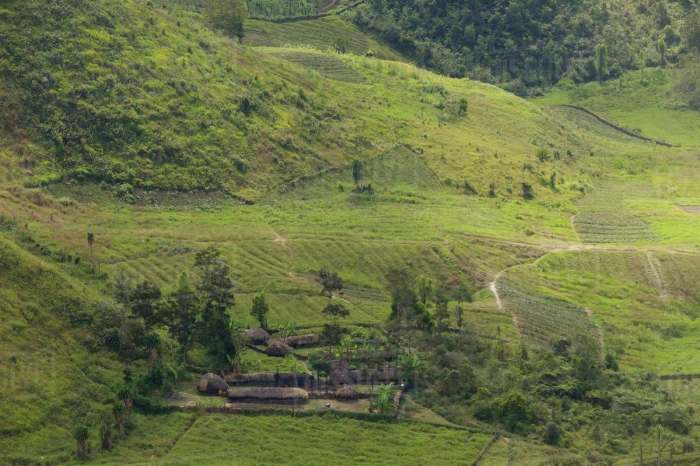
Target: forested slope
(526, 43)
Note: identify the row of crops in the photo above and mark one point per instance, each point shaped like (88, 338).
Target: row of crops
(544, 320)
(326, 65)
(281, 9)
(612, 227)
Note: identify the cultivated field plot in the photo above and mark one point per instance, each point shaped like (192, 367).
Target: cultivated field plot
(397, 169)
(691, 209)
(282, 439)
(612, 227)
(544, 320)
(326, 65)
(321, 33)
(644, 302)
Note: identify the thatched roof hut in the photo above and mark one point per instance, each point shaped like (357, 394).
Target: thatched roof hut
(257, 336)
(297, 341)
(346, 392)
(268, 394)
(212, 384)
(271, 379)
(278, 348)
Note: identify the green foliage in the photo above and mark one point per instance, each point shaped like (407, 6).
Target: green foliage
(601, 61)
(552, 435)
(691, 31)
(406, 307)
(357, 172)
(216, 294)
(383, 400)
(260, 309)
(182, 311)
(278, 9)
(336, 311)
(687, 83)
(523, 43)
(227, 15)
(82, 442)
(330, 282)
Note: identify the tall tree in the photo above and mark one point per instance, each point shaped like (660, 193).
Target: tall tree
(216, 294)
(143, 302)
(330, 282)
(227, 15)
(601, 61)
(661, 46)
(260, 309)
(691, 31)
(357, 172)
(182, 309)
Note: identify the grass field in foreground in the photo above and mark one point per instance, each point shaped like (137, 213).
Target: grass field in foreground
(280, 439)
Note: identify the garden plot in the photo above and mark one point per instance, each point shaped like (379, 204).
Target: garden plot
(326, 65)
(612, 227)
(691, 209)
(543, 320)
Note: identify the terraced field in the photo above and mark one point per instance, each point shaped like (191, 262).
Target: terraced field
(326, 65)
(612, 227)
(322, 34)
(545, 320)
(274, 439)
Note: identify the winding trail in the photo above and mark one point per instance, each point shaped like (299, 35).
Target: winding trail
(612, 125)
(654, 268)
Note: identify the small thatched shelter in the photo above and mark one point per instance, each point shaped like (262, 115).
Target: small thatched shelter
(212, 384)
(271, 379)
(297, 341)
(346, 392)
(257, 336)
(268, 395)
(278, 348)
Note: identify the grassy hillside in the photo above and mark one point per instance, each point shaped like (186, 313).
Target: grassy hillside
(323, 33)
(148, 106)
(273, 439)
(646, 101)
(50, 379)
(140, 125)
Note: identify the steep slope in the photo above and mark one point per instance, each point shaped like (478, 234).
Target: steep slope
(138, 96)
(526, 43)
(49, 379)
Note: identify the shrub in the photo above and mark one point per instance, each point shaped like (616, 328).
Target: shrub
(552, 434)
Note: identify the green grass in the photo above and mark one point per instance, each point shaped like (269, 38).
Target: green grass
(314, 113)
(611, 227)
(320, 34)
(650, 106)
(326, 65)
(49, 379)
(643, 305)
(217, 439)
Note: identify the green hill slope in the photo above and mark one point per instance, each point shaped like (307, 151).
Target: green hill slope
(139, 124)
(50, 379)
(147, 97)
(525, 44)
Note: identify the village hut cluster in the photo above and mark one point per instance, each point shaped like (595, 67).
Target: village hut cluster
(342, 382)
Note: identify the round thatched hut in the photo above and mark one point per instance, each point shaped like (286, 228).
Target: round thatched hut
(257, 336)
(278, 348)
(268, 395)
(346, 392)
(212, 384)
